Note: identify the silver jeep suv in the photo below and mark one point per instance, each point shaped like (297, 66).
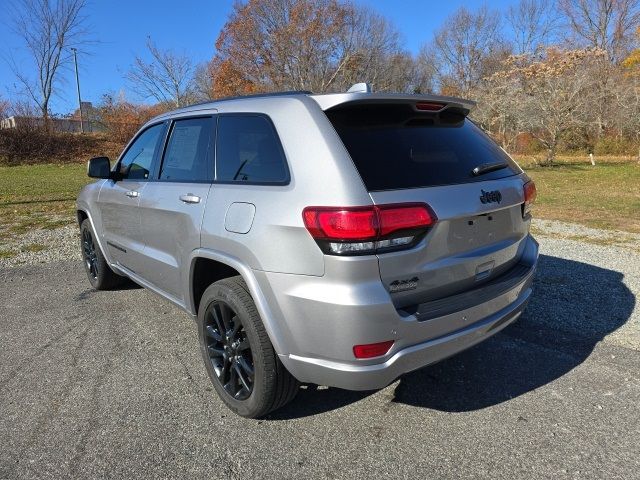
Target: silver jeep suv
(338, 239)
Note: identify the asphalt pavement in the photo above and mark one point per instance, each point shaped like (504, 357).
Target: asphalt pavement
(111, 384)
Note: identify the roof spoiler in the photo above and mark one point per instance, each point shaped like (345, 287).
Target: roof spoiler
(357, 94)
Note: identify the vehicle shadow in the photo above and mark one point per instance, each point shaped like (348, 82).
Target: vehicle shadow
(127, 284)
(573, 307)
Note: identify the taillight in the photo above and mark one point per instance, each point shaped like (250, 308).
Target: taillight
(430, 106)
(367, 230)
(372, 350)
(529, 197)
(341, 224)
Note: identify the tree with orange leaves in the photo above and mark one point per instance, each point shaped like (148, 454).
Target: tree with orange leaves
(628, 100)
(632, 62)
(122, 119)
(318, 45)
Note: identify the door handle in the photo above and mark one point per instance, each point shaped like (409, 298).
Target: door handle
(132, 194)
(190, 198)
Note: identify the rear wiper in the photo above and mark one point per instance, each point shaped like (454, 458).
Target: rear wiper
(488, 167)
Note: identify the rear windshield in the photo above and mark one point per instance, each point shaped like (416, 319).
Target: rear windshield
(395, 147)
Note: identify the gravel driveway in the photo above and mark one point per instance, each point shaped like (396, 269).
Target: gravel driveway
(111, 384)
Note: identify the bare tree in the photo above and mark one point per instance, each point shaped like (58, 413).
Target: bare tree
(630, 107)
(463, 48)
(203, 86)
(425, 71)
(168, 77)
(48, 28)
(370, 48)
(499, 111)
(607, 25)
(533, 24)
(552, 95)
(4, 108)
(626, 99)
(604, 24)
(404, 75)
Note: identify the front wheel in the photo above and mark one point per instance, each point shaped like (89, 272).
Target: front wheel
(238, 355)
(100, 275)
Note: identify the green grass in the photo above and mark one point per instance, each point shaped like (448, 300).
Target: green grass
(605, 196)
(41, 183)
(38, 196)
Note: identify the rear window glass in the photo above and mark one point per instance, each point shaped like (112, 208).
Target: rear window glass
(394, 147)
(248, 151)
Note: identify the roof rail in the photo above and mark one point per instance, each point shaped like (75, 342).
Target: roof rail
(253, 95)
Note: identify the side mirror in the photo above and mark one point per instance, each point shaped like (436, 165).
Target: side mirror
(99, 167)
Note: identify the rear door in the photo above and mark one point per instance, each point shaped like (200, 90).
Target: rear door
(118, 200)
(406, 155)
(173, 203)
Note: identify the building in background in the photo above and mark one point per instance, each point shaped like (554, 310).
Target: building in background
(70, 123)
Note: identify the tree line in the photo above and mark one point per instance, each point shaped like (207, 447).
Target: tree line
(548, 75)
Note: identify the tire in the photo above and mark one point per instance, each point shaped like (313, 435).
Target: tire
(100, 275)
(243, 366)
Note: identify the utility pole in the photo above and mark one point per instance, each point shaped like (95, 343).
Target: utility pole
(75, 60)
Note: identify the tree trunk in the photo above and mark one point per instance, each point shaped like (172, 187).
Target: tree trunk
(551, 152)
(46, 123)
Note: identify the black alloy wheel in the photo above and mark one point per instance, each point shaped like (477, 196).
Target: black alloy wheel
(89, 253)
(99, 273)
(229, 350)
(244, 368)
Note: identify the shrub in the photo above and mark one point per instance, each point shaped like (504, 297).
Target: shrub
(30, 144)
(615, 145)
(122, 119)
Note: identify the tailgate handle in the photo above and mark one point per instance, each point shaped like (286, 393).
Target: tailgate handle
(483, 271)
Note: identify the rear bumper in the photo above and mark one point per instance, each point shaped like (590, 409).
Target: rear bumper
(372, 377)
(323, 318)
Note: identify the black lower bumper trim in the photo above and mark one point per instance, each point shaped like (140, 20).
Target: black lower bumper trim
(520, 274)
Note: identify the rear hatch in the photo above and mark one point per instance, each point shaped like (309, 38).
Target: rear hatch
(412, 151)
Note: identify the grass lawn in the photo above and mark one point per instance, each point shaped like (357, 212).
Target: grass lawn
(605, 196)
(38, 196)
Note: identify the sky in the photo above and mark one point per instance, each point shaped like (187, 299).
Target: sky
(120, 29)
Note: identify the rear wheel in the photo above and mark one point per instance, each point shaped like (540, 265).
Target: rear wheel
(100, 275)
(240, 360)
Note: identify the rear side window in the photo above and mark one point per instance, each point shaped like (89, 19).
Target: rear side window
(248, 151)
(394, 147)
(186, 158)
(136, 162)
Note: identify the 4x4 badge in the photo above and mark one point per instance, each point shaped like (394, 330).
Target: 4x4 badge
(402, 285)
(490, 197)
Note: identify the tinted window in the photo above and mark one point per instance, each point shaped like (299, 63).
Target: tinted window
(136, 162)
(248, 150)
(394, 147)
(186, 157)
